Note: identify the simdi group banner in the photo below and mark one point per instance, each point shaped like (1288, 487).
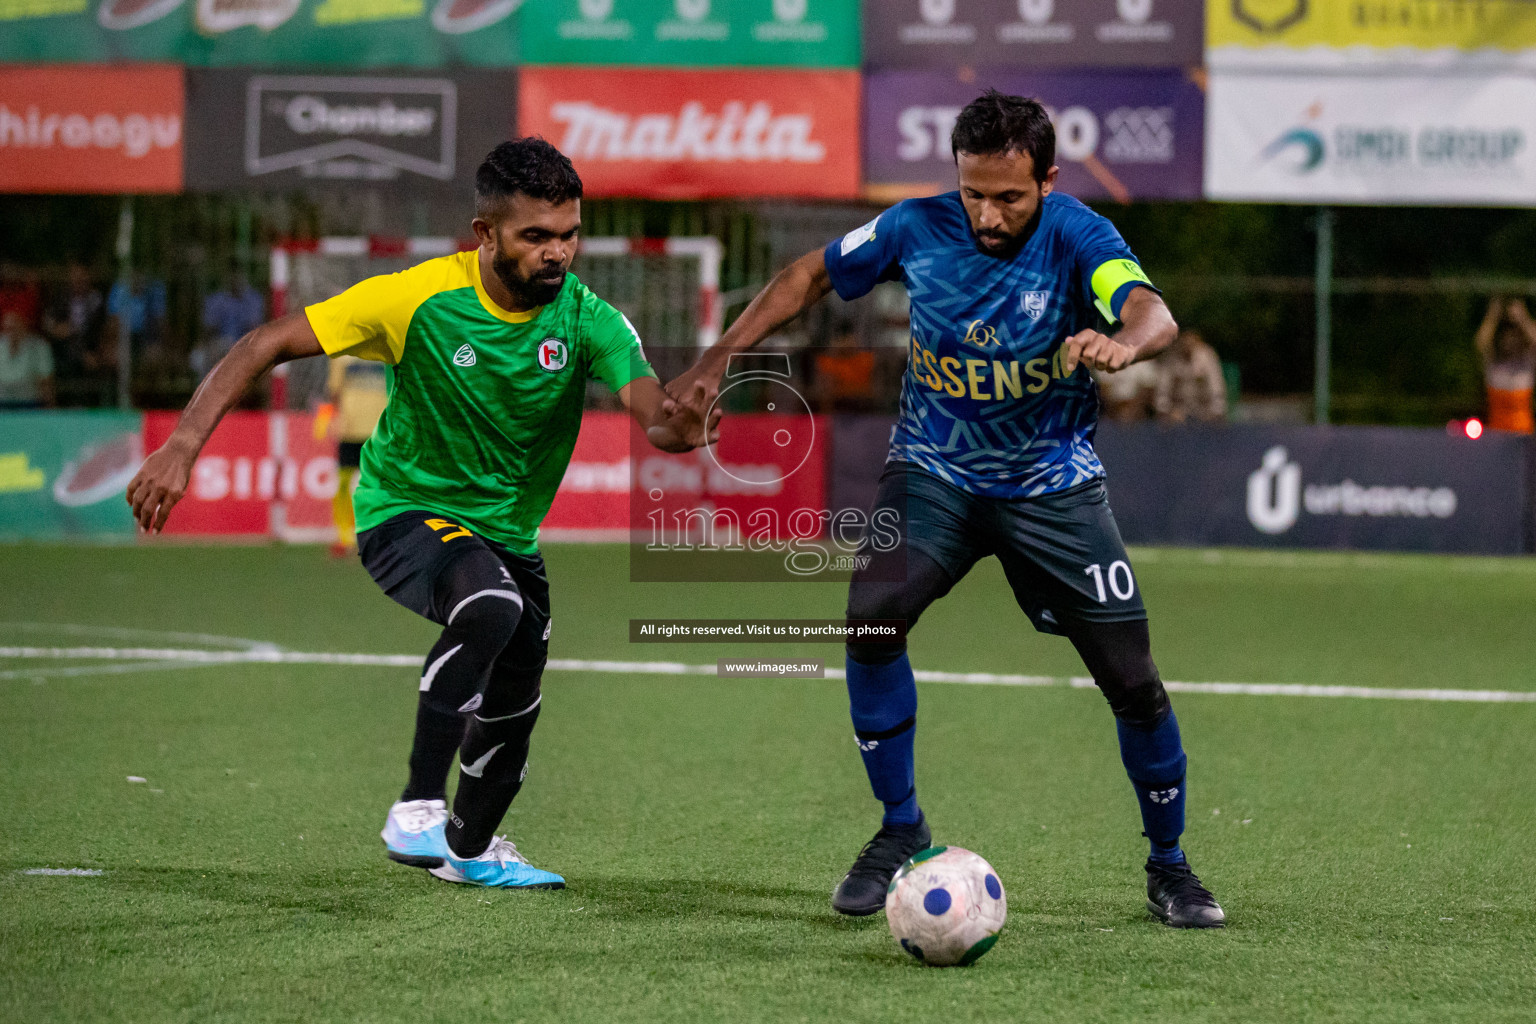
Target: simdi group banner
(357, 33)
(1443, 140)
(270, 130)
(1334, 34)
(91, 129)
(1034, 33)
(699, 134)
(63, 474)
(1119, 135)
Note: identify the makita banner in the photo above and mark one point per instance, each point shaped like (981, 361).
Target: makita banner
(277, 131)
(1383, 488)
(700, 134)
(262, 33)
(91, 129)
(1119, 135)
(1034, 33)
(1430, 140)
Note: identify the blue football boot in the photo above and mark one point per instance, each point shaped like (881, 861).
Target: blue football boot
(413, 833)
(499, 866)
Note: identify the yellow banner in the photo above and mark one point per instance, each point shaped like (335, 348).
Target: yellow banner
(1467, 25)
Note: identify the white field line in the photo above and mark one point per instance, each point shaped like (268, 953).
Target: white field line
(188, 658)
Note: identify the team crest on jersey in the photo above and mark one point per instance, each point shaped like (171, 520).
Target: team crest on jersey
(465, 356)
(552, 354)
(1033, 304)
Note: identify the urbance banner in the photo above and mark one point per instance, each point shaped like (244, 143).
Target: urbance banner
(1119, 135)
(268, 131)
(1034, 33)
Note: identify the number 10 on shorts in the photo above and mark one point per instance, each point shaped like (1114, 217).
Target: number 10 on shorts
(1121, 591)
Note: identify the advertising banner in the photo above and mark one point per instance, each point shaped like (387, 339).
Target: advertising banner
(1318, 35)
(1122, 136)
(695, 33)
(90, 129)
(261, 130)
(1034, 33)
(63, 474)
(1442, 140)
(700, 134)
(260, 474)
(1331, 487)
(262, 33)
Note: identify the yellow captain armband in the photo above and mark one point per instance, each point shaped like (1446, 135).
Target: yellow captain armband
(1109, 278)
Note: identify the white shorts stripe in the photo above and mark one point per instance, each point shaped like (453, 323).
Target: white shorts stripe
(510, 595)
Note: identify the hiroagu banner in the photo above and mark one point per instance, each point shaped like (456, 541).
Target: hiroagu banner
(262, 33)
(700, 134)
(1121, 135)
(1439, 140)
(63, 474)
(1321, 34)
(1033, 34)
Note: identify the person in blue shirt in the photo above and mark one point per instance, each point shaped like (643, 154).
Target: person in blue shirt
(1014, 289)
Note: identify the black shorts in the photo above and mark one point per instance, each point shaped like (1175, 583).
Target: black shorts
(406, 554)
(349, 454)
(1062, 552)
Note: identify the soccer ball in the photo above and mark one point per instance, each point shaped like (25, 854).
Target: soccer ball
(945, 906)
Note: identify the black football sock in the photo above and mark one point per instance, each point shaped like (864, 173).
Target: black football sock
(492, 764)
(438, 735)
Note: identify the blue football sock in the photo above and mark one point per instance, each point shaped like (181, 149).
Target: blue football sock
(1154, 759)
(883, 702)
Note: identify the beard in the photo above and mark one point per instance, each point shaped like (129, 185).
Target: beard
(538, 290)
(1003, 246)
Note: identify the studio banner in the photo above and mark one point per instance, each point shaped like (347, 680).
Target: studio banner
(263, 33)
(63, 474)
(1322, 35)
(1034, 33)
(1442, 140)
(91, 129)
(1119, 135)
(693, 33)
(1384, 488)
(269, 130)
(700, 134)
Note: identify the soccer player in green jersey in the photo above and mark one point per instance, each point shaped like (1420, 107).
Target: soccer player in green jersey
(489, 354)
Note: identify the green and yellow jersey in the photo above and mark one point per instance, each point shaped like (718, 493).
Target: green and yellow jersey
(484, 405)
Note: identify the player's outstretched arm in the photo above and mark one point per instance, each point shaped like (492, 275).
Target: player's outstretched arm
(162, 480)
(792, 291)
(671, 425)
(1147, 329)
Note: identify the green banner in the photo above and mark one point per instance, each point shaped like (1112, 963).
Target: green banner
(433, 33)
(63, 474)
(698, 33)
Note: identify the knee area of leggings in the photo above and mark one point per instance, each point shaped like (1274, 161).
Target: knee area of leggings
(490, 617)
(1140, 704)
(875, 654)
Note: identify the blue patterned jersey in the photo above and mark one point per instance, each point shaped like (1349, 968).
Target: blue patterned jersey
(984, 404)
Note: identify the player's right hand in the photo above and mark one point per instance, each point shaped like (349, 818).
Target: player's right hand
(697, 387)
(159, 485)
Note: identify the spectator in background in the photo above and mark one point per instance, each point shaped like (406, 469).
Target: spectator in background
(26, 365)
(20, 294)
(843, 375)
(140, 303)
(229, 314)
(1128, 394)
(72, 322)
(1507, 342)
(1190, 384)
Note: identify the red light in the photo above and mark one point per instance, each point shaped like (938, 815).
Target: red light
(1473, 428)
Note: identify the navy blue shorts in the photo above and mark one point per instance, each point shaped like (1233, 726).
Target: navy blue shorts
(1062, 552)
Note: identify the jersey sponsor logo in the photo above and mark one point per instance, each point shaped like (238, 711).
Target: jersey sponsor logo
(979, 333)
(465, 356)
(858, 236)
(553, 354)
(1033, 304)
(985, 380)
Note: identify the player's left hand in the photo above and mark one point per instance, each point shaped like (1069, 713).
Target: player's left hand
(1097, 352)
(694, 423)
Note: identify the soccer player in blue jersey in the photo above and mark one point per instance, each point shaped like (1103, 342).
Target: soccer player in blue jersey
(1010, 284)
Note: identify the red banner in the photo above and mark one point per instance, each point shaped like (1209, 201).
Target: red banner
(700, 134)
(260, 474)
(91, 129)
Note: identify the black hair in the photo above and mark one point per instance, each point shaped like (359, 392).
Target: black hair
(994, 124)
(528, 165)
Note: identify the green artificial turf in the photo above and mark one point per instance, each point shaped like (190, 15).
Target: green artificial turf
(1374, 856)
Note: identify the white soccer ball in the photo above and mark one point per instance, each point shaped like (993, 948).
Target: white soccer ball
(945, 906)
